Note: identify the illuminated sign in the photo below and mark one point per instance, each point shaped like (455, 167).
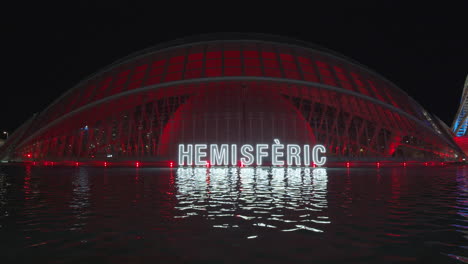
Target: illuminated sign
(225, 155)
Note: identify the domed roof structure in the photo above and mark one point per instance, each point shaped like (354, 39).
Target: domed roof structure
(233, 89)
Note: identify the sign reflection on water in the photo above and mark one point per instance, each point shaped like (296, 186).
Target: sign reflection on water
(286, 199)
(226, 155)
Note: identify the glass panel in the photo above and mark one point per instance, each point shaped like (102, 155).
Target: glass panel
(252, 62)
(158, 63)
(306, 68)
(156, 71)
(270, 63)
(250, 53)
(153, 80)
(376, 92)
(292, 75)
(212, 72)
(310, 77)
(268, 55)
(213, 63)
(232, 54)
(176, 59)
(175, 67)
(359, 84)
(213, 55)
(175, 76)
(253, 71)
(288, 65)
(272, 72)
(287, 57)
(103, 87)
(195, 56)
(193, 74)
(229, 71)
(304, 60)
(194, 64)
(232, 62)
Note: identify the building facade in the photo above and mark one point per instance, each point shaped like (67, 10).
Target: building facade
(245, 89)
(460, 123)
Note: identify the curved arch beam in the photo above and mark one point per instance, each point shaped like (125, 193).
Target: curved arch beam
(243, 78)
(152, 50)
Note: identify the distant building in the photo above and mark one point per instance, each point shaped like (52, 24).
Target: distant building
(460, 123)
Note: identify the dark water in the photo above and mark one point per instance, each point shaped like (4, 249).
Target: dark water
(144, 215)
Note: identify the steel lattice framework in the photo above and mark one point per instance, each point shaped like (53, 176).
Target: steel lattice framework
(460, 123)
(233, 90)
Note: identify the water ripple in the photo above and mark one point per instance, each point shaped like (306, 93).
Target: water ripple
(280, 215)
(254, 195)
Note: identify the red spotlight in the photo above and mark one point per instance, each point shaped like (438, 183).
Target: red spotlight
(347, 164)
(170, 164)
(137, 164)
(28, 155)
(105, 163)
(378, 164)
(404, 164)
(77, 164)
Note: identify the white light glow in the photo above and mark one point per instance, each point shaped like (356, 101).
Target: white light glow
(306, 155)
(276, 153)
(233, 155)
(225, 154)
(219, 156)
(248, 157)
(315, 155)
(283, 199)
(292, 153)
(200, 152)
(185, 154)
(261, 153)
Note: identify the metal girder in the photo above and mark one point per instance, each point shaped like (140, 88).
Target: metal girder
(460, 123)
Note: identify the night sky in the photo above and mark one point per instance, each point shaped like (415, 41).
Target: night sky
(49, 49)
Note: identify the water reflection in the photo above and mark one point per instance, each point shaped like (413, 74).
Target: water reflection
(297, 215)
(80, 198)
(3, 196)
(462, 210)
(284, 199)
